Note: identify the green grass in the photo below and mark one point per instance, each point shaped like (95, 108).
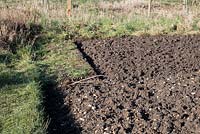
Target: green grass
(19, 109)
(21, 77)
(22, 74)
(20, 97)
(106, 27)
(61, 56)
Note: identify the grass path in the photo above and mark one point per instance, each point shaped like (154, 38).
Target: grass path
(24, 75)
(20, 96)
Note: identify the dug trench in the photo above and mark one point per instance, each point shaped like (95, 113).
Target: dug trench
(152, 85)
(58, 114)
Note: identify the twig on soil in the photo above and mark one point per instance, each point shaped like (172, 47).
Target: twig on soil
(92, 77)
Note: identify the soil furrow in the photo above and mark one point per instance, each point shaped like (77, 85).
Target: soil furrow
(88, 59)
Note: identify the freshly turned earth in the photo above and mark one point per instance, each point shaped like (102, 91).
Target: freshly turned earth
(151, 85)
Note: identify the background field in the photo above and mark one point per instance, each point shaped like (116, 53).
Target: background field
(111, 18)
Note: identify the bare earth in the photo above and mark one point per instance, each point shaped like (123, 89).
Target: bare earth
(151, 85)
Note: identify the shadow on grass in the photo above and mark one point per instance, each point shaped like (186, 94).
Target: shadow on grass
(12, 78)
(1, 127)
(58, 114)
(5, 58)
(61, 120)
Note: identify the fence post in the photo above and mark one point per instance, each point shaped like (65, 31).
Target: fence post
(69, 6)
(185, 6)
(149, 8)
(46, 3)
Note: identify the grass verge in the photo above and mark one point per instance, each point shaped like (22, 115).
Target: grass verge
(20, 96)
(26, 70)
(60, 56)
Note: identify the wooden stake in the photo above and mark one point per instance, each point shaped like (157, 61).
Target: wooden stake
(46, 4)
(149, 8)
(186, 7)
(69, 6)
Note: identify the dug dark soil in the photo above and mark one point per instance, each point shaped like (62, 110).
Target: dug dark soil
(151, 85)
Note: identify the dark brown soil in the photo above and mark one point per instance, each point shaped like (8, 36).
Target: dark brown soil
(152, 86)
